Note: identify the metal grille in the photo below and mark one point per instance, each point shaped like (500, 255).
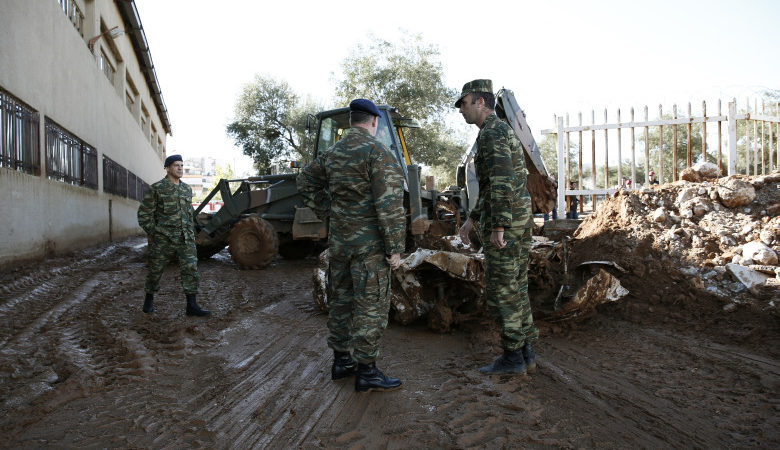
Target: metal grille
(74, 14)
(19, 139)
(68, 158)
(137, 189)
(90, 178)
(114, 177)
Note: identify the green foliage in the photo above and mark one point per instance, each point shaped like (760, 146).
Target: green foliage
(683, 137)
(270, 123)
(407, 76)
(549, 150)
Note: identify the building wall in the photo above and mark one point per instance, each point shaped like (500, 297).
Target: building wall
(46, 63)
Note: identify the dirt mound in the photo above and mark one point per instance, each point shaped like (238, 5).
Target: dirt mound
(682, 249)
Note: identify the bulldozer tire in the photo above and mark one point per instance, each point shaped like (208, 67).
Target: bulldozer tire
(253, 243)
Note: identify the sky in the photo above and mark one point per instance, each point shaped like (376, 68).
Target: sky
(557, 57)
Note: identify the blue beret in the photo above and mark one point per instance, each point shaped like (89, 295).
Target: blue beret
(171, 159)
(363, 105)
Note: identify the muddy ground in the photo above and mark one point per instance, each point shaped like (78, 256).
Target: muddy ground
(82, 367)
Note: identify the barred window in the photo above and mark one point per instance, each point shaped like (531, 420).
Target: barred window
(74, 14)
(19, 138)
(114, 177)
(136, 188)
(105, 65)
(68, 158)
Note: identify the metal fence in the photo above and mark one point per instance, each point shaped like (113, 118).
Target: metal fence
(68, 158)
(739, 151)
(19, 138)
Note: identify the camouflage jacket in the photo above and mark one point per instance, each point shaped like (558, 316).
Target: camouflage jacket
(167, 209)
(357, 184)
(500, 165)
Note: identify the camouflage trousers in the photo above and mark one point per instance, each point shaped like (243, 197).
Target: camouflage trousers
(161, 250)
(359, 300)
(506, 288)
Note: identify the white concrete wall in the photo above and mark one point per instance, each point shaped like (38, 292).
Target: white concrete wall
(47, 64)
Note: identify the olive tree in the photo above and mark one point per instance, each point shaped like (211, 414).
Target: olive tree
(409, 76)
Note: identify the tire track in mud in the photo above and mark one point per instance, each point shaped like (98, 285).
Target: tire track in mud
(54, 338)
(256, 374)
(30, 297)
(275, 390)
(653, 387)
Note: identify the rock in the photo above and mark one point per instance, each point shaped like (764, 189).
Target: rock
(706, 169)
(759, 253)
(659, 215)
(686, 194)
(730, 307)
(690, 175)
(699, 208)
(767, 237)
(750, 278)
(734, 193)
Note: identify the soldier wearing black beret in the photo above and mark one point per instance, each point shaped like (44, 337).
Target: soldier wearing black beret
(166, 215)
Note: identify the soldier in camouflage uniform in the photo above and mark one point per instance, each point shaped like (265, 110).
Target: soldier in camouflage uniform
(358, 186)
(504, 211)
(166, 215)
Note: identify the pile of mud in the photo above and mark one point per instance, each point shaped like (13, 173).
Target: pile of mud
(718, 237)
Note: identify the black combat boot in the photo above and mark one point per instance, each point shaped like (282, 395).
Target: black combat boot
(370, 378)
(530, 357)
(193, 309)
(511, 362)
(343, 365)
(149, 303)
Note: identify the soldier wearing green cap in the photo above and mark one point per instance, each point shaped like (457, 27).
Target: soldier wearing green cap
(503, 211)
(166, 215)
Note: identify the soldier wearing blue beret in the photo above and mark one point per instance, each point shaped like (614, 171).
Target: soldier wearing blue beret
(503, 210)
(363, 105)
(166, 215)
(362, 180)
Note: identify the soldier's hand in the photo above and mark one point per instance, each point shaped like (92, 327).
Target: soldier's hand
(497, 239)
(394, 261)
(465, 229)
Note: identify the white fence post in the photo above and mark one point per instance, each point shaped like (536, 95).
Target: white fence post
(732, 137)
(561, 206)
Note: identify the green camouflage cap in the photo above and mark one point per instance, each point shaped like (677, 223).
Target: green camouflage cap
(475, 86)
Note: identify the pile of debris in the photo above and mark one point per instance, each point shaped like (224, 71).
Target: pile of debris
(723, 234)
(699, 236)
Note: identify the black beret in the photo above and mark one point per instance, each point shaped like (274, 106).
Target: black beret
(171, 159)
(363, 105)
